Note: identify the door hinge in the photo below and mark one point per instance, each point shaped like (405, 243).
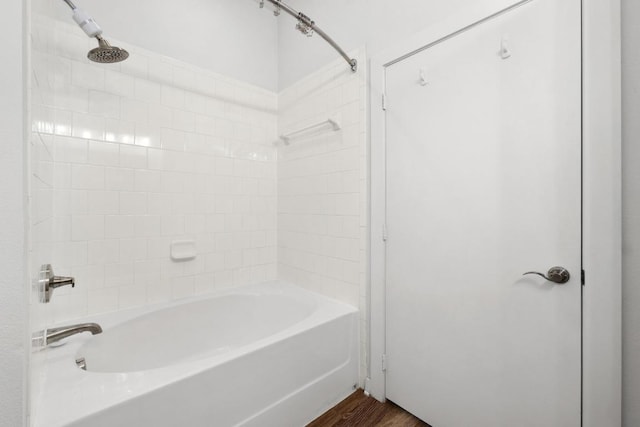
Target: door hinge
(385, 236)
(384, 363)
(583, 277)
(384, 102)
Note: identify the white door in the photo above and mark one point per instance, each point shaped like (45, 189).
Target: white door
(483, 158)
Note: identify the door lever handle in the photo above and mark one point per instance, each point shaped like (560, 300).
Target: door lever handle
(558, 275)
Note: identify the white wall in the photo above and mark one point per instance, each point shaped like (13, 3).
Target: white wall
(355, 23)
(12, 248)
(232, 37)
(631, 212)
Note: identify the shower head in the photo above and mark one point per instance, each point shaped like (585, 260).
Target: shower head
(107, 54)
(104, 53)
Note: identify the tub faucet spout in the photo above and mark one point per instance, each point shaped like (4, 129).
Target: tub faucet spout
(56, 334)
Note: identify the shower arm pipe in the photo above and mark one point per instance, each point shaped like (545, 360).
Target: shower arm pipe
(70, 3)
(353, 63)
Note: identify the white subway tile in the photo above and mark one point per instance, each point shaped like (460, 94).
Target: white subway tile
(184, 77)
(215, 223)
(147, 271)
(133, 249)
(87, 177)
(184, 121)
(215, 107)
(172, 97)
(102, 252)
(195, 103)
(119, 226)
(147, 135)
(131, 296)
(148, 225)
(226, 91)
(119, 179)
(69, 150)
(59, 228)
(195, 224)
(133, 203)
(159, 203)
(43, 119)
(148, 91)
(102, 300)
(87, 75)
(69, 254)
(119, 131)
(132, 156)
(205, 284)
(224, 166)
(148, 180)
(182, 287)
(156, 159)
(135, 111)
(158, 247)
(87, 227)
(88, 126)
(172, 225)
(104, 104)
(102, 202)
(119, 84)
(72, 98)
(64, 123)
(206, 83)
(103, 154)
(346, 204)
(158, 291)
(136, 65)
(232, 259)
(172, 139)
(159, 115)
(70, 45)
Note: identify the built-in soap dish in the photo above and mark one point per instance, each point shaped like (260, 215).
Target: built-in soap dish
(183, 250)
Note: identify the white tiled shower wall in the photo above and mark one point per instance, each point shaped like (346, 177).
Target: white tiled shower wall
(133, 156)
(322, 188)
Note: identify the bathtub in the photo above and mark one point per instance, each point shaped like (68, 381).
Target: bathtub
(263, 355)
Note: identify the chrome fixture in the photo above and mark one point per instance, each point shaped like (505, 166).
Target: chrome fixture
(307, 27)
(558, 275)
(82, 363)
(304, 25)
(49, 336)
(49, 281)
(107, 54)
(104, 53)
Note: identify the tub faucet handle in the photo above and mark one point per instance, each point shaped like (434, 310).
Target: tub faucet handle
(49, 281)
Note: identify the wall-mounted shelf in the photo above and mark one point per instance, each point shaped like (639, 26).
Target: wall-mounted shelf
(330, 124)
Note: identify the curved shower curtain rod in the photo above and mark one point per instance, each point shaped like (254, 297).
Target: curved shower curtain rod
(307, 27)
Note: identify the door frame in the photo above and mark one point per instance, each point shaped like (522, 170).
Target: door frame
(601, 195)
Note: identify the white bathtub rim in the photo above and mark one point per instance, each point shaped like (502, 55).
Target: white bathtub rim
(96, 391)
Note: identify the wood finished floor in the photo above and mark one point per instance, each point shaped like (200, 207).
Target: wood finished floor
(362, 411)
